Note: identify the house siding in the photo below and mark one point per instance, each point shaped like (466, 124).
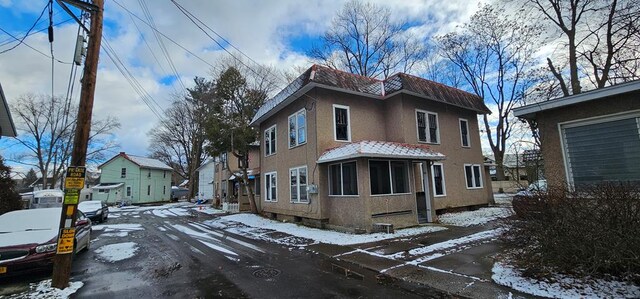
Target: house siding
(548, 121)
(137, 179)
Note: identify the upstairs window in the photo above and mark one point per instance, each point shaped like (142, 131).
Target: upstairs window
(473, 176)
(298, 128)
(464, 132)
(223, 160)
(341, 123)
(149, 174)
(123, 173)
(298, 177)
(427, 123)
(270, 141)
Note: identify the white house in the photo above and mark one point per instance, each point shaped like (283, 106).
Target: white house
(206, 180)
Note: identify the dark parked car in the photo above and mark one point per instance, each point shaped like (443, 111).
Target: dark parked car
(29, 239)
(97, 211)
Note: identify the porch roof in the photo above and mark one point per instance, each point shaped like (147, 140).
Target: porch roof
(380, 149)
(107, 186)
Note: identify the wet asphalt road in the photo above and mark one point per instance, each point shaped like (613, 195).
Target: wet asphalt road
(180, 257)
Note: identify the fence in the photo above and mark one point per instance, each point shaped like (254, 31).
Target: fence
(231, 207)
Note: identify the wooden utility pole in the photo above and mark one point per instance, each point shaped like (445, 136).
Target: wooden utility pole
(75, 173)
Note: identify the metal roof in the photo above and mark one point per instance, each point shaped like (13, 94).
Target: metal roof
(143, 162)
(324, 77)
(529, 111)
(380, 149)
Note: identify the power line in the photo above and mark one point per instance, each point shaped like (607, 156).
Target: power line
(28, 31)
(32, 48)
(12, 37)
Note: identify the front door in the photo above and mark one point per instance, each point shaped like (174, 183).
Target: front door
(421, 183)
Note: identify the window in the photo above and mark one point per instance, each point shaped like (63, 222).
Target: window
(123, 173)
(257, 185)
(464, 132)
(602, 149)
(437, 172)
(341, 123)
(223, 189)
(223, 160)
(270, 141)
(164, 189)
(128, 191)
(148, 189)
(298, 178)
(243, 162)
(298, 128)
(388, 177)
(164, 174)
(149, 174)
(271, 186)
(343, 179)
(427, 123)
(473, 176)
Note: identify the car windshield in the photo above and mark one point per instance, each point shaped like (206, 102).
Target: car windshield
(30, 220)
(89, 205)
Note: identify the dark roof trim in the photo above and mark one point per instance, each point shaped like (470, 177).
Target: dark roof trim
(7, 127)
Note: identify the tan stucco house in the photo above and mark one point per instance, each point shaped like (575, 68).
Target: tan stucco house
(589, 137)
(227, 183)
(346, 151)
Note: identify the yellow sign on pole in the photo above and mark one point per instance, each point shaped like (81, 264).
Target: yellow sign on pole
(71, 196)
(74, 178)
(65, 241)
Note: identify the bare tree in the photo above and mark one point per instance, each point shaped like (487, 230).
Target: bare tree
(179, 139)
(600, 41)
(46, 128)
(363, 40)
(494, 53)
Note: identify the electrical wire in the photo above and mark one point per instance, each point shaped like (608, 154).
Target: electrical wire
(28, 31)
(32, 48)
(12, 37)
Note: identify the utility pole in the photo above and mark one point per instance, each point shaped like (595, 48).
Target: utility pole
(75, 172)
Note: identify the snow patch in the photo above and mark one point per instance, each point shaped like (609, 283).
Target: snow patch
(256, 227)
(117, 252)
(477, 217)
(43, 290)
(563, 286)
(117, 230)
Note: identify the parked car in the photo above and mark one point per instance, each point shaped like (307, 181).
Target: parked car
(29, 239)
(48, 198)
(178, 193)
(97, 211)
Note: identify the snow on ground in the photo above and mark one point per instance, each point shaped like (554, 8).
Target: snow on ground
(256, 227)
(43, 290)
(562, 286)
(502, 198)
(117, 230)
(208, 210)
(477, 217)
(117, 252)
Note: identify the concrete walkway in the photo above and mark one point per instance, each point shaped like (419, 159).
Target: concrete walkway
(457, 260)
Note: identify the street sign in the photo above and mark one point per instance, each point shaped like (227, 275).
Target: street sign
(74, 178)
(71, 196)
(65, 241)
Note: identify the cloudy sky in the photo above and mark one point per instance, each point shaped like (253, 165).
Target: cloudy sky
(276, 33)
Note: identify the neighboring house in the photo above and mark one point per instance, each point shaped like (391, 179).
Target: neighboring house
(515, 173)
(134, 179)
(228, 178)
(590, 137)
(37, 184)
(353, 152)
(206, 180)
(7, 128)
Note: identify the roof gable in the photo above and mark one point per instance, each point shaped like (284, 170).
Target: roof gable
(142, 162)
(324, 77)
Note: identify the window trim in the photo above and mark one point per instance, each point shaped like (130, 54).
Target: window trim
(468, 135)
(390, 177)
(433, 180)
(275, 135)
(335, 132)
(474, 186)
(123, 173)
(267, 193)
(299, 200)
(585, 122)
(295, 114)
(342, 181)
(428, 127)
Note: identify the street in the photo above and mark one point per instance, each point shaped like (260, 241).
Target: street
(168, 252)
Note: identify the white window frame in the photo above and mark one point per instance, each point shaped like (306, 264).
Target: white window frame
(428, 128)
(342, 180)
(468, 134)
(123, 172)
(433, 180)
(295, 115)
(390, 178)
(298, 200)
(128, 191)
(474, 184)
(267, 151)
(267, 185)
(335, 132)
